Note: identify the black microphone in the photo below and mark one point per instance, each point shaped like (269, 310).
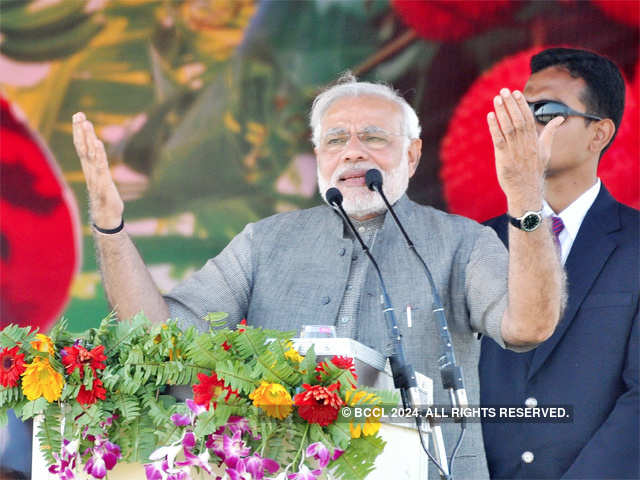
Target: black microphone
(333, 197)
(450, 372)
(403, 374)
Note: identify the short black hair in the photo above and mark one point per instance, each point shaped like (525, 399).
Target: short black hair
(605, 90)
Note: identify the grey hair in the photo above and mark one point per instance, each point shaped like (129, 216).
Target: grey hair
(349, 86)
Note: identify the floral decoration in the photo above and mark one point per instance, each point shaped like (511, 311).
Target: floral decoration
(260, 409)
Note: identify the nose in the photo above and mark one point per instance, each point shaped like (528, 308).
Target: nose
(354, 150)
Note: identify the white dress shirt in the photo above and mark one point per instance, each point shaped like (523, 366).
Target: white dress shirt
(572, 217)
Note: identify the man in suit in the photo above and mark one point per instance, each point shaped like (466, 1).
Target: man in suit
(590, 363)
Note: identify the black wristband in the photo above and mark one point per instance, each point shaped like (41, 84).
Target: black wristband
(110, 231)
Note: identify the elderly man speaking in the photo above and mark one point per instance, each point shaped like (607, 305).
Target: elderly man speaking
(303, 267)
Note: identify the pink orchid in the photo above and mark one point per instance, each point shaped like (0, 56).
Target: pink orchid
(305, 474)
(321, 453)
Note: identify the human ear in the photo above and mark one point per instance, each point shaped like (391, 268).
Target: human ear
(415, 150)
(602, 135)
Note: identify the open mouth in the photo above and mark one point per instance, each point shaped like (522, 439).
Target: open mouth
(354, 178)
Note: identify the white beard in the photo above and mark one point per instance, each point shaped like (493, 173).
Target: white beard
(361, 202)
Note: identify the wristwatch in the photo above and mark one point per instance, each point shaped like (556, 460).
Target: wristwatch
(527, 222)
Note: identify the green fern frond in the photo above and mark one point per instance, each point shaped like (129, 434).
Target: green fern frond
(128, 406)
(237, 376)
(13, 334)
(308, 365)
(284, 442)
(10, 395)
(49, 434)
(34, 407)
(340, 434)
(202, 351)
(250, 343)
(276, 369)
(358, 461)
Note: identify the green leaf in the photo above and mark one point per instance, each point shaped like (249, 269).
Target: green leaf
(358, 461)
(216, 319)
(308, 365)
(339, 433)
(13, 334)
(236, 375)
(34, 407)
(206, 424)
(49, 435)
(9, 396)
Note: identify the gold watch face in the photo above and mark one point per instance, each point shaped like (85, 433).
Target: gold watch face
(530, 222)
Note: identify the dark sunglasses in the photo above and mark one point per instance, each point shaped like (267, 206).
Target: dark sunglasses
(546, 111)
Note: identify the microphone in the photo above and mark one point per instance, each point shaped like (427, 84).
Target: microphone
(404, 377)
(333, 197)
(450, 372)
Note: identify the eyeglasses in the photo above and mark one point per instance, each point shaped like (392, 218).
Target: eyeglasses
(373, 139)
(546, 111)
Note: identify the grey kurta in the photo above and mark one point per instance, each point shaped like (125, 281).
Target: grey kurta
(291, 269)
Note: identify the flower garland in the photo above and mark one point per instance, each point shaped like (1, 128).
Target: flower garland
(259, 408)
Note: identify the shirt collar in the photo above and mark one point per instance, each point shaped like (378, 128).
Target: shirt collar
(573, 215)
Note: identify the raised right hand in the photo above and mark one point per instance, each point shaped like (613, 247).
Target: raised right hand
(105, 204)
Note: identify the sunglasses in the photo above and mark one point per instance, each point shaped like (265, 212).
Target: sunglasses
(546, 111)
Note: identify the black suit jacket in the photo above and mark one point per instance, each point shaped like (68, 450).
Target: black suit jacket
(589, 363)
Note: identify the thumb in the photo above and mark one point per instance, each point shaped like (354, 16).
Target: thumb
(546, 137)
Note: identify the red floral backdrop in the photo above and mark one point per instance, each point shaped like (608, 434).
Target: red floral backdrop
(39, 238)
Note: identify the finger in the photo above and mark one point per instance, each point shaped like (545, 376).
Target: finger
(101, 155)
(513, 110)
(547, 135)
(79, 140)
(504, 120)
(527, 114)
(90, 137)
(497, 137)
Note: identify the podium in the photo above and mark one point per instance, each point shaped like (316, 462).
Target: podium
(402, 458)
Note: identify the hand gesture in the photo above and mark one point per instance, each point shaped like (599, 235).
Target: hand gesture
(105, 204)
(521, 155)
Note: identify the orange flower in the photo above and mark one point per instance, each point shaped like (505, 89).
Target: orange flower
(43, 344)
(273, 398)
(41, 379)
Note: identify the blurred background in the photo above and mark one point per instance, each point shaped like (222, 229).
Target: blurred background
(203, 107)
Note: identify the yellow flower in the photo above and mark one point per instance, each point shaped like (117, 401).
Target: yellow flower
(292, 354)
(371, 424)
(43, 344)
(40, 379)
(273, 398)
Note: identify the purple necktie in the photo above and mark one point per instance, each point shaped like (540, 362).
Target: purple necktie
(557, 226)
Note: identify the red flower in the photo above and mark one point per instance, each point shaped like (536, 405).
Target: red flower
(78, 356)
(11, 366)
(89, 397)
(210, 387)
(243, 322)
(318, 404)
(345, 363)
(226, 346)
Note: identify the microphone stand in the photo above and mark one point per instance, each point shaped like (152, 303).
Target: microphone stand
(450, 372)
(404, 377)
